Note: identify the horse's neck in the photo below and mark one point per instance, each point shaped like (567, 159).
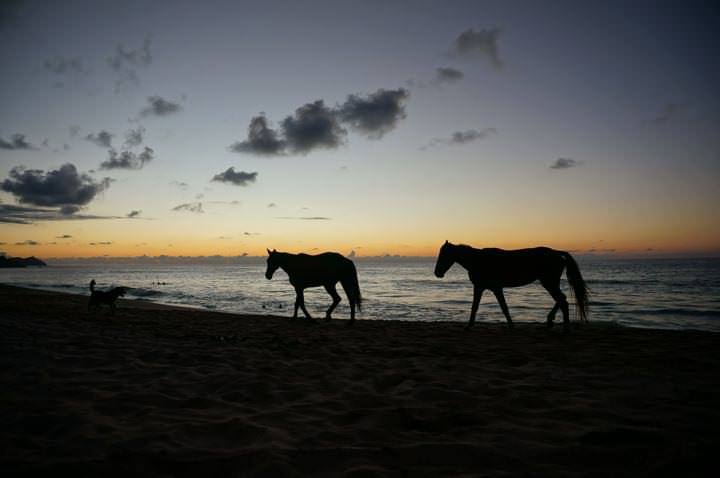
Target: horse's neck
(468, 258)
(288, 264)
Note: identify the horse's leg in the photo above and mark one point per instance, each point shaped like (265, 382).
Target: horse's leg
(553, 288)
(477, 294)
(501, 300)
(551, 315)
(298, 295)
(347, 287)
(330, 288)
(301, 301)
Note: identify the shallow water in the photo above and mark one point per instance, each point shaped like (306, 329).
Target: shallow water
(658, 293)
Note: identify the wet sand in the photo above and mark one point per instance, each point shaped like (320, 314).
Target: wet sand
(162, 391)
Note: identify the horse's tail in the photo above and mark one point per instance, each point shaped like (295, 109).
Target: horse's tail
(352, 287)
(579, 287)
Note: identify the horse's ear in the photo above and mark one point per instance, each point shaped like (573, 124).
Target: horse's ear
(446, 242)
(269, 252)
(274, 251)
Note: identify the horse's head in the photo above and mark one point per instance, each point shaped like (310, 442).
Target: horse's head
(272, 263)
(445, 259)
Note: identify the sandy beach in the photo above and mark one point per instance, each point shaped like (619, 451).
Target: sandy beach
(161, 391)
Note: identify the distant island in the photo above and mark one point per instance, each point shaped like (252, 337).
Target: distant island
(20, 262)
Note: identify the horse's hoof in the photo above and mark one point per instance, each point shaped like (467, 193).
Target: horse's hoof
(550, 325)
(328, 318)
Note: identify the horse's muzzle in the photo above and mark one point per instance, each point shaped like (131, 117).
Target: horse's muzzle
(439, 274)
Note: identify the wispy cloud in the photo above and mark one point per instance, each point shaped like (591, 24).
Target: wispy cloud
(16, 142)
(447, 75)
(14, 214)
(134, 213)
(462, 137)
(125, 63)
(669, 112)
(159, 106)
(127, 159)
(195, 207)
(27, 242)
(306, 218)
(479, 44)
(61, 66)
(179, 184)
(102, 138)
(134, 137)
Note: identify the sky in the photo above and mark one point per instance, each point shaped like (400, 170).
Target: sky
(133, 128)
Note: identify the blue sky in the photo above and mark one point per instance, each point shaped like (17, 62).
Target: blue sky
(579, 125)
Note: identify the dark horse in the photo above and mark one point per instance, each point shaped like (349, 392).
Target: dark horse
(326, 269)
(495, 269)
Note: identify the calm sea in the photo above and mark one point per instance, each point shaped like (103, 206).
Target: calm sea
(658, 293)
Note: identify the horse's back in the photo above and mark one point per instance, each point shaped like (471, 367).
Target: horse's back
(320, 269)
(511, 268)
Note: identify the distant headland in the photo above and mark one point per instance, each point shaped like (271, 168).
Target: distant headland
(20, 261)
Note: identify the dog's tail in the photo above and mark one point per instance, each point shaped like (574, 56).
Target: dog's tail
(92, 285)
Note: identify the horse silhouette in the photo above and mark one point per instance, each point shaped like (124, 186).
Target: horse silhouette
(326, 270)
(495, 269)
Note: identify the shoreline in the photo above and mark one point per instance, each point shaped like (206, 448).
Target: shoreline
(144, 303)
(171, 391)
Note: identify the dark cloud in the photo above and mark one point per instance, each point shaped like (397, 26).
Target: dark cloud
(669, 112)
(74, 130)
(239, 178)
(16, 142)
(134, 213)
(313, 126)
(125, 63)
(61, 66)
(272, 204)
(134, 137)
(9, 13)
(195, 207)
(159, 106)
(564, 163)
(28, 242)
(127, 159)
(262, 140)
(482, 43)
(102, 138)
(61, 187)
(376, 114)
(13, 214)
(64, 236)
(101, 243)
(447, 75)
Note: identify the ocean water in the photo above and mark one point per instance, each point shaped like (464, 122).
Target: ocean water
(657, 293)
